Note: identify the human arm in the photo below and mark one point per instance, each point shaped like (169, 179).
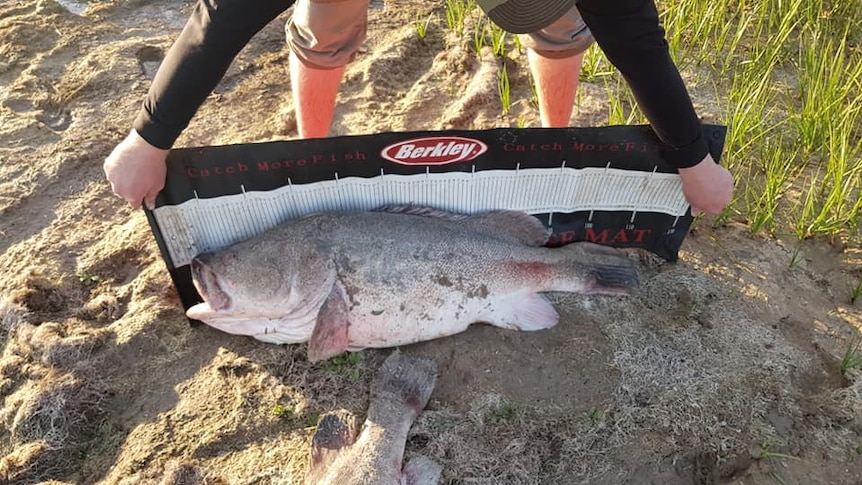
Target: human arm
(214, 34)
(629, 33)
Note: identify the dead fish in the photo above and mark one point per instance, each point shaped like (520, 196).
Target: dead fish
(341, 454)
(353, 280)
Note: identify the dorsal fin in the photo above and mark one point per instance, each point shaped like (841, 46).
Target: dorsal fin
(515, 226)
(335, 431)
(422, 211)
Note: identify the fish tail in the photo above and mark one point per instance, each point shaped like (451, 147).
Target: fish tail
(403, 383)
(585, 268)
(607, 278)
(594, 269)
(335, 430)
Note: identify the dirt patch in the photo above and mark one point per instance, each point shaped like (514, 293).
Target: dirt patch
(724, 367)
(546, 368)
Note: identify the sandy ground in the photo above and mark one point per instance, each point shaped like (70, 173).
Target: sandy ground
(722, 368)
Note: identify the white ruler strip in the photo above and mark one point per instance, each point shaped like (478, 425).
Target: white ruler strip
(201, 225)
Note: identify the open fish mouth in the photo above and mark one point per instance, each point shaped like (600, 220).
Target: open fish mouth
(207, 284)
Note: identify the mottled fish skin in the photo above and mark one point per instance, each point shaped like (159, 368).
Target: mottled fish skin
(341, 453)
(405, 275)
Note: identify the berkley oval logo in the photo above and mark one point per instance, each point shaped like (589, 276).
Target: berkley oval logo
(435, 150)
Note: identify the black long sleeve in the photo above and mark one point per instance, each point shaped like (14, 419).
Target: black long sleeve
(215, 33)
(629, 33)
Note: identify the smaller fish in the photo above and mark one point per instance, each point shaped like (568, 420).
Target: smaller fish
(342, 453)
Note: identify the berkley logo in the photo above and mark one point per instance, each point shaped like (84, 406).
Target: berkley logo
(437, 150)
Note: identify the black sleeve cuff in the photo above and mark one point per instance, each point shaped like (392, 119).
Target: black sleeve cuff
(686, 156)
(153, 132)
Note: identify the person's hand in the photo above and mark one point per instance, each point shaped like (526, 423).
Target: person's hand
(707, 186)
(136, 170)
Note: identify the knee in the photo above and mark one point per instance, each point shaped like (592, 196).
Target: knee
(567, 37)
(327, 34)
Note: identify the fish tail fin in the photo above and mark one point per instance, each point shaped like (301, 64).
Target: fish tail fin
(598, 269)
(421, 470)
(405, 382)
(335, 430)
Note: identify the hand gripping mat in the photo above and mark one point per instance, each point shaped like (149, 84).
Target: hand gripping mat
(608, 185)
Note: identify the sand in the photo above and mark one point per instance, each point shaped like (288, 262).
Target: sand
(724, 367)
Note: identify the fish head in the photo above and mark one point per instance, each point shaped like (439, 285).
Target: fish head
(233, 285)
(264, 279)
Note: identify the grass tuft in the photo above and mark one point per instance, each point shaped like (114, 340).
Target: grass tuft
(456, 14)
(292, 419)
(11, 316)
(767, 453)
(856, 291)
(504, 89)
(852, 358)
(790, 74)
(346, 364)
(479, 36)
(595, 65)
(421, 26)
(593, 418)
(498, 39)
(506, 412)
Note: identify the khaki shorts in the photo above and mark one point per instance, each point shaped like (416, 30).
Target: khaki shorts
(566, 37)
(327, 33)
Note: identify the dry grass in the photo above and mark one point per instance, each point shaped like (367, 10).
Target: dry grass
(11, 315)
(696, 373)
(53, 348)
(59, 411)
(178, 473)
(48, 415)
(32, 462)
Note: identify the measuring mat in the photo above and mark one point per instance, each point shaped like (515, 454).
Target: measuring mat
(607, 185)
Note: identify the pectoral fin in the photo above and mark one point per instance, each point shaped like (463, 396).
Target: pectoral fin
(329, 337)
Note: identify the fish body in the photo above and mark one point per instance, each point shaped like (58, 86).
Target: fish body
(354, 280)
(344, 453)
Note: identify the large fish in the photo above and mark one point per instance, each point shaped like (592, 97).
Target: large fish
(353, 280)
(341, 454)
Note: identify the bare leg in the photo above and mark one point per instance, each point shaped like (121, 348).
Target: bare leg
(556, 86)
(314, 92)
